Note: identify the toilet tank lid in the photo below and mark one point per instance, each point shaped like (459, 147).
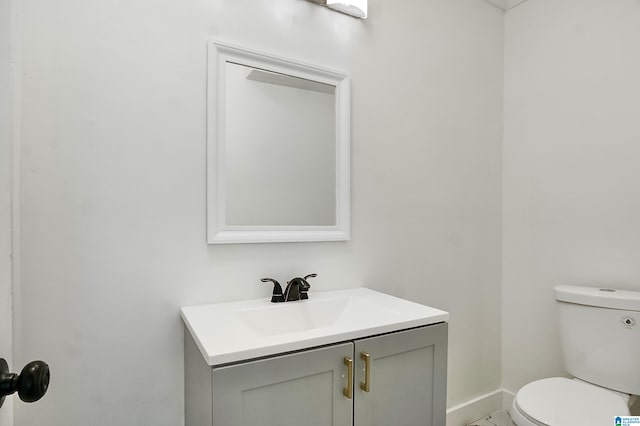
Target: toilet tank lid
(598, 296)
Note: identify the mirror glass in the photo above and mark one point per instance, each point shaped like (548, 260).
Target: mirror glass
(278, 149)
(280, 169)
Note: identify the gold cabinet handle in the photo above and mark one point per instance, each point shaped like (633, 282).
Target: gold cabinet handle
(348, 391)
(366, 385)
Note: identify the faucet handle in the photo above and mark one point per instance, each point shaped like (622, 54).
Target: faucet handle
(277, 295)
(304, 288)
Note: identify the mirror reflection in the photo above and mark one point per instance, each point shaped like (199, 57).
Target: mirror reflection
(280, 149)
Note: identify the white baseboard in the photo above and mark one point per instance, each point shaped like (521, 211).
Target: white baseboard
(477, 408)
(507, 399)
(480, 407)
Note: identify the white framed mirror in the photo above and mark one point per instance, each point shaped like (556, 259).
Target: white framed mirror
(277, 149)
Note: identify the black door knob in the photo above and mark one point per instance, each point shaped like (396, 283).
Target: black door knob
(31, 384)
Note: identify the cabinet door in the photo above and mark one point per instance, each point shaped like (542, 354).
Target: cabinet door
(407, 378)
(304, 388)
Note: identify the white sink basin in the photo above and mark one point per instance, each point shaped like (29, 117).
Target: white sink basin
(230, 332)
(293, 317)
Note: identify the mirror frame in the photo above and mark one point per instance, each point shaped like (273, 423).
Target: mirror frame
(218, 232)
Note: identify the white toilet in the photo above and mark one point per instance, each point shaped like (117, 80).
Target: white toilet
(600, 338)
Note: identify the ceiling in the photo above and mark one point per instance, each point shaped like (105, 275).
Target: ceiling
(505, 4)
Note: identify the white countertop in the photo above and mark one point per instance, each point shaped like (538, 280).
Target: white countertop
(236, 331)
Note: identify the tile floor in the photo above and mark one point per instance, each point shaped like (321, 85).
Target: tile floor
(499, 418)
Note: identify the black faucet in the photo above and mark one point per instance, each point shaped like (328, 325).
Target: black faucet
(296, 289)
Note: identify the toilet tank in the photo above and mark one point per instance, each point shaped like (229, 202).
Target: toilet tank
(600, 335)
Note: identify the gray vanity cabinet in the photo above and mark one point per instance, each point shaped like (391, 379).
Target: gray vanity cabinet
(406, 384)
(407, 378)
(304, 388)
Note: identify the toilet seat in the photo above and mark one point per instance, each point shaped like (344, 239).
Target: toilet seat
(558, 401)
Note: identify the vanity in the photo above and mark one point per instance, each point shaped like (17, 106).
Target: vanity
(346, 357)
(278, 170)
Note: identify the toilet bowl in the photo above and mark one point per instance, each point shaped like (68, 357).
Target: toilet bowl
(558, 401)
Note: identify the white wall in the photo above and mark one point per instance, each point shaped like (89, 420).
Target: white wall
(113, 185)
(6, 335)
(571, 175)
